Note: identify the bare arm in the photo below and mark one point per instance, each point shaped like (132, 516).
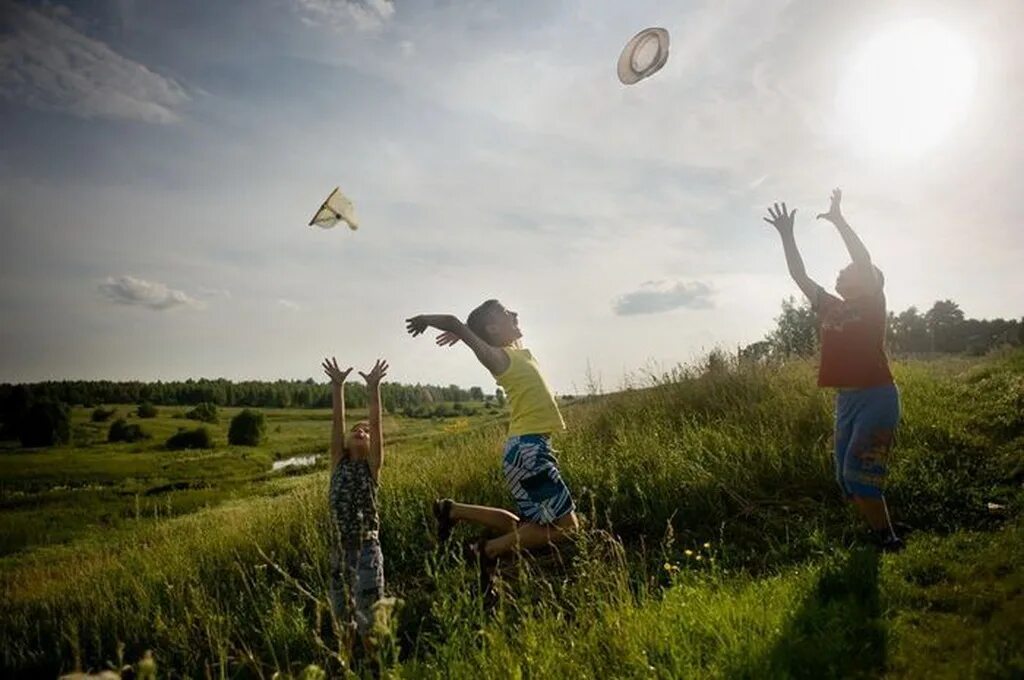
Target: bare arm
(494, 359)
(337, 377)
(373, 378)
(783, 222)
(858, 252)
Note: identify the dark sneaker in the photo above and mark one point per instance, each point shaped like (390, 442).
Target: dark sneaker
(443, 516)
(892, 544)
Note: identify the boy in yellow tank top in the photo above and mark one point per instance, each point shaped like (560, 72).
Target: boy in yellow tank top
(546, 509)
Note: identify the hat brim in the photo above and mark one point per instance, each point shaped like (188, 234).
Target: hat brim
(629, 75)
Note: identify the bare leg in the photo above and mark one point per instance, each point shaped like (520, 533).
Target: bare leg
(531, 535)
(495, 519)
(874, 511)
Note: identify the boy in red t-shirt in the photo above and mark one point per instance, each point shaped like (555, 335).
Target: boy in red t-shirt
(853, 360)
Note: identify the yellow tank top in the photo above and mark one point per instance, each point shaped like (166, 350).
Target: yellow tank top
(534, 410)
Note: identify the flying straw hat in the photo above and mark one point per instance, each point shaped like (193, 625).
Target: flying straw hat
(643, 56)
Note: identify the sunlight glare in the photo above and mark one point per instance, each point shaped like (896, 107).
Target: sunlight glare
(907, 89)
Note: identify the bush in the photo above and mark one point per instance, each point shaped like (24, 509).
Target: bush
(247, 428)
(46, 423)
(198, 438)
(102, 415)
(121, 431)
(146, 410)
(205, 412)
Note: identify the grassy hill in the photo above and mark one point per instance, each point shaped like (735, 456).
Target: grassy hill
(716, 546)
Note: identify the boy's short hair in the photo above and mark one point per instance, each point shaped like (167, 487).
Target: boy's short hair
(478, 318)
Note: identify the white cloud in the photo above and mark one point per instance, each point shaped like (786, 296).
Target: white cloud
(654, 297)
(363, 15)
(128, 290)
(47, 63)
(288, 304)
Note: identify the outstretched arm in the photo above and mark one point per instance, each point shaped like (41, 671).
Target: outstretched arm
(858, 252)
(782, 220)
(494, 359)
(337, 377)
(373, 378)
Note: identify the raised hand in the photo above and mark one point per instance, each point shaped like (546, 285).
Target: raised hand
(416, 325)
(834, 214)
(780, 218)
(376, 374)
(336, 375)
(447, 339)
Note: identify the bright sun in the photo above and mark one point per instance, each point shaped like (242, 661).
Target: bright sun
(907, 88)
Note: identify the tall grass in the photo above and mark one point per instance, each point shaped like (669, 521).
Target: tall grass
(735, 455)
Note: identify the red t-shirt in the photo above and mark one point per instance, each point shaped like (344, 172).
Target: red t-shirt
(852, 336)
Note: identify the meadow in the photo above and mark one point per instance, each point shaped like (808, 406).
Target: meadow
(715, 542)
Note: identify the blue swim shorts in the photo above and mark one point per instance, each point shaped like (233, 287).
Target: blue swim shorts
(866, 421)
(533, 479)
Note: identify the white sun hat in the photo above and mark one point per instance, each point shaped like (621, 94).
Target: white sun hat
(644, 55)
(336, 208)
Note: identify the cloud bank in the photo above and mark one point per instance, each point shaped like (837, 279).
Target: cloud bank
(128, 290)
(655, 297)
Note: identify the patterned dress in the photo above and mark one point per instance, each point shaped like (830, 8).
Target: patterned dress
(357, 565)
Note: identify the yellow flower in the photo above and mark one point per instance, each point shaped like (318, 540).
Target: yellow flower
(688, 553)
(699, 558)
(707, 546)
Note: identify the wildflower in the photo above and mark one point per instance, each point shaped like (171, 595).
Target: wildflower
(699, 558)
(707, 546)
(688, 552)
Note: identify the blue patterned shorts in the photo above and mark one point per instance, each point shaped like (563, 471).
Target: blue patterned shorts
(866, 421)
(357, 582)
(532, 476)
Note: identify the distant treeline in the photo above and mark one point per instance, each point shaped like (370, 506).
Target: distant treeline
(276, 394)
(943, 328)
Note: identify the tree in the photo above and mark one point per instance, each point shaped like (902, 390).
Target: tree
(47, 423)
(198, 438)
(476, 394)
(146, 410)
(499, 397)
(247, 428)
(796, 330)
(205, 412)
(908, 331)
(121, 431)
(944, 321)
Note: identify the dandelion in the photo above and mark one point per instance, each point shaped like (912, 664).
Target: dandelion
(688, 552)
(707, 546)
(699, 558)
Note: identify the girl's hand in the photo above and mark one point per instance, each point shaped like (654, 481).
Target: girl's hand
(834, 214)
(781, 219)
(447, 339)
(376, 374)
(336, 375)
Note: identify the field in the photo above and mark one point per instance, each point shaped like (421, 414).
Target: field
(716, 544)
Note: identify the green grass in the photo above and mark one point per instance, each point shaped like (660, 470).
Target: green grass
(735, 457)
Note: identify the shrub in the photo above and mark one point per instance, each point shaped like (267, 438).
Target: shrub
(121, 431)
(102, 415)
(146, 410)
(205, 412)
(247, 428)
(46, 423)
(198, 438)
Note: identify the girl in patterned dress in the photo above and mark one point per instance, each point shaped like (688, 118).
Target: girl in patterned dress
(357, 565)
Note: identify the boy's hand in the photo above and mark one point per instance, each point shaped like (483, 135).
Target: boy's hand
(416, 325)
(781, 219)
(376, 374)
(447, 339)
(834, 214)
(336, 375)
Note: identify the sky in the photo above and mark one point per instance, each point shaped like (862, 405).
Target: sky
(159, 163)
